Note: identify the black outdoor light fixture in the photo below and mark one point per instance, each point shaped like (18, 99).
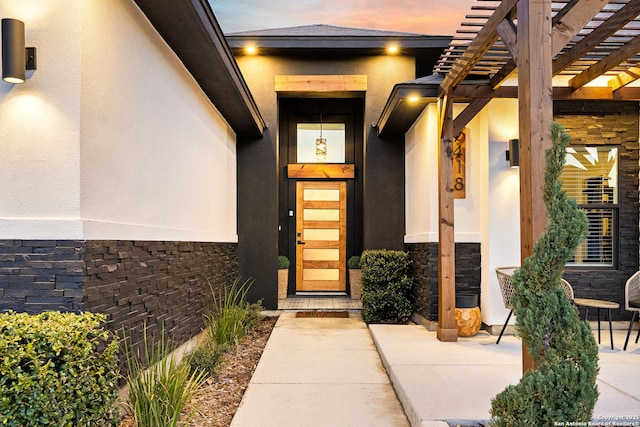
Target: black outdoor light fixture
(16, 58)
(513, 153)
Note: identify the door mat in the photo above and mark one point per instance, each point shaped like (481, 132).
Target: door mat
(331, 314)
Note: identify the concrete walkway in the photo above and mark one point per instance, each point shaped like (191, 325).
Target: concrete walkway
(327, 372)
(320, 372)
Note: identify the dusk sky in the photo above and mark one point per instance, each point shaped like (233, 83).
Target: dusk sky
(433, 17)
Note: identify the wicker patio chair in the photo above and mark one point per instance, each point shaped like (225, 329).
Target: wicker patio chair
(567, 288)
(632, 302)
(506, 289)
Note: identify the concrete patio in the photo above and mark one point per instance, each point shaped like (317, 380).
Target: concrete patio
(442, 384)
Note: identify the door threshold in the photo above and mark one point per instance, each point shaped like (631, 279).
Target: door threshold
(313, 303)
(320, 294)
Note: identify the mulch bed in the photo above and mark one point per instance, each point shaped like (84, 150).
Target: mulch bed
(218, 399)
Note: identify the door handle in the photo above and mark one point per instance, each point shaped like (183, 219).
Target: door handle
(300, 242)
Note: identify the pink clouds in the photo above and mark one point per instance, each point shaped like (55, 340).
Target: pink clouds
(444, 23)
(435, 17)
(418, 16)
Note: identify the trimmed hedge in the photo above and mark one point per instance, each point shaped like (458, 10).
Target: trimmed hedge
(386, 286)
(57, 369)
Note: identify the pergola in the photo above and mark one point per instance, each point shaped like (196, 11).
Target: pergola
(592, 46)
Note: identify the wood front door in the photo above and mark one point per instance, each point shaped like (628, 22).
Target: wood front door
(321, 234)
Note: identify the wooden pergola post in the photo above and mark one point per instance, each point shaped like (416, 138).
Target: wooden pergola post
(535, 102)
(540, 46)
(446, 330)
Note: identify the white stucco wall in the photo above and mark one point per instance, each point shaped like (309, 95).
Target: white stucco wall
(124, 144)
(40, 126)
(421, 177)
(490, 212)
(421, 173)
(501, 242)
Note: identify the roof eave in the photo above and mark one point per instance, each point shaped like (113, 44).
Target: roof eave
(404, 105)
(206, 55)
(338, 43)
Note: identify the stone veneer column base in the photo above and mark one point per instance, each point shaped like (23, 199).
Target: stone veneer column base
(424, 270)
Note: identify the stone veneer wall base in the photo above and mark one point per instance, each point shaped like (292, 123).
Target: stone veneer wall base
(158, 284)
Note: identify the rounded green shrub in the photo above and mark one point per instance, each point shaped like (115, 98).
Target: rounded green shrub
(58, 369)
(562, 387)
(386, 286)
(205, 358)
(283, 262)
(354, 262)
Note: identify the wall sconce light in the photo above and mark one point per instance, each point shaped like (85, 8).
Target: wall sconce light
(513, 153)
(16, 58)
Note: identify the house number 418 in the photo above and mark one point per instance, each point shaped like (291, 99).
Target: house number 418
(459, 162)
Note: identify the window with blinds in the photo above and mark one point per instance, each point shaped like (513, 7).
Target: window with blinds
(590, 176)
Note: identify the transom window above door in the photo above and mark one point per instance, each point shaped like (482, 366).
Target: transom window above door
(320, 143)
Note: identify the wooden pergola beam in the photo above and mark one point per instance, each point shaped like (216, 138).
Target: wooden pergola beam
(509, 35)
(597, 93)
(599, 34)
(607, 63)
(624, 78)
(468, 114)
(472, 92)
(573, 21)
(566, 24)
(478, 47)
(504, 73)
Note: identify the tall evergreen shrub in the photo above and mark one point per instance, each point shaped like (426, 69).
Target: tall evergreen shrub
(386, 286)
(562, 387)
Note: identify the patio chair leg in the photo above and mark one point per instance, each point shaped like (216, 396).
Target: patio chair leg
(598, 325)
(610, 328)
(633, 318)
(504, 327)
(638, 336)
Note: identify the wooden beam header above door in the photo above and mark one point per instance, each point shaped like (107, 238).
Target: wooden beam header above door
(321, 171)
(321, 83)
